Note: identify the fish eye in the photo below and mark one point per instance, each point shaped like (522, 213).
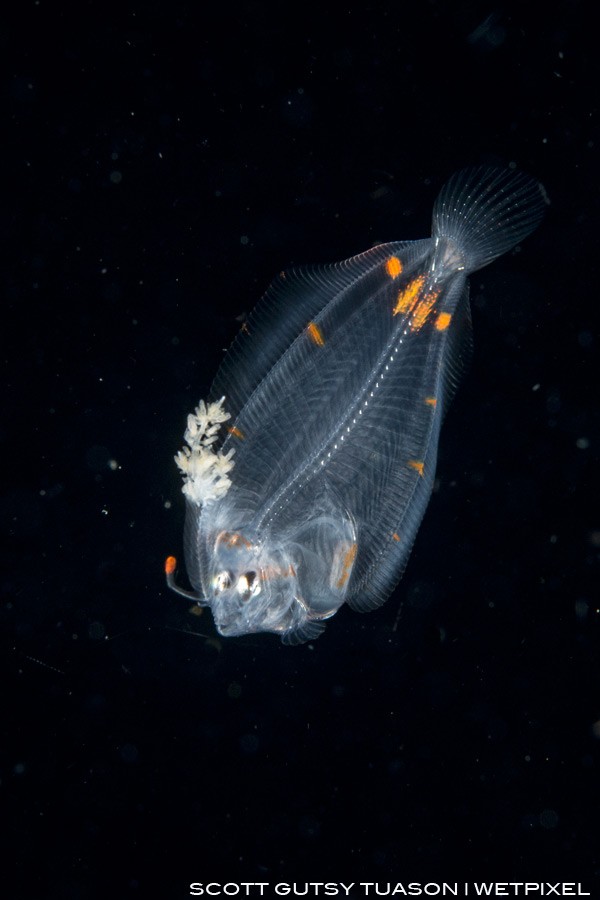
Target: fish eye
(248, 586)
(222, 581)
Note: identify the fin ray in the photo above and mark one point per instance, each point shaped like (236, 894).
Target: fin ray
(487, 212)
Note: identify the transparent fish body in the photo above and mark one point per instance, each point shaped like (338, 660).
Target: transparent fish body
(335, 391)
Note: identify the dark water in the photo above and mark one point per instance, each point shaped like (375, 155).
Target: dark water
(163, 162)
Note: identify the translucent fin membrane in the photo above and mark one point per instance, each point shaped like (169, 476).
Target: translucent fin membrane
(487, 212)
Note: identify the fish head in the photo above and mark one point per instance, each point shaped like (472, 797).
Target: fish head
(253, 586)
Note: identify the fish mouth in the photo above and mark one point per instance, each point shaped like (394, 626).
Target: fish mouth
(281, 614)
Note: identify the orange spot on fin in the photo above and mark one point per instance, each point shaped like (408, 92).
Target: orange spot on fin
(442, 321)
(431, 401)
(417, 465)
(315, 334)
(237, 433)
(349, 557)
(396, 536)
(170, 565)
(393, 266)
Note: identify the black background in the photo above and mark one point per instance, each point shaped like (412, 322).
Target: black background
(163, 162)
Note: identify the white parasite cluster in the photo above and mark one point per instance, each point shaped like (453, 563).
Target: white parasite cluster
(205, 473)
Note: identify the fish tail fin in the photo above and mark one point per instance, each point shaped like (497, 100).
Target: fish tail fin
(486, 212)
